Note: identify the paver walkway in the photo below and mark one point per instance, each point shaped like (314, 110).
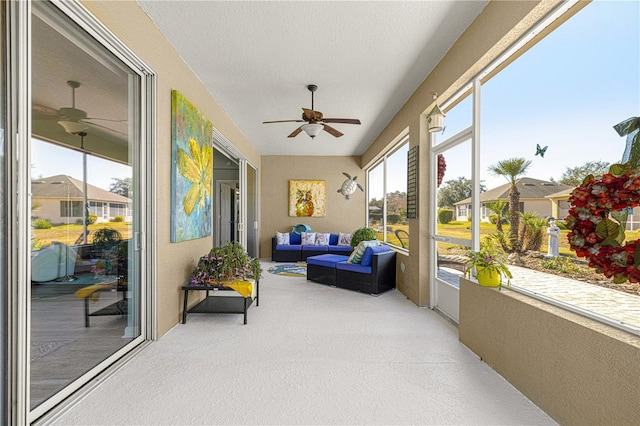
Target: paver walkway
(614, 304)
(617, 305)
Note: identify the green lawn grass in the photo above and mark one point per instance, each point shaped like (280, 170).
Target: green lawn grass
(68, 234)
(391, 236)
(463, 230)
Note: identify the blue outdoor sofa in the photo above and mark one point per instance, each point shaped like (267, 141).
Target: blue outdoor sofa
(296, 252)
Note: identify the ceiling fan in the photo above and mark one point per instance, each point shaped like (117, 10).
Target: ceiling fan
(72, 119)
(315, 121)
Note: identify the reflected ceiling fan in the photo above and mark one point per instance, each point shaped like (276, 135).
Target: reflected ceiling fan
(315, 121)
(72, 119)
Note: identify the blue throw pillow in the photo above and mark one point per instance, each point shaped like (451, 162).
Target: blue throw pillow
(367, 257)
(333, 239)
(295, 239)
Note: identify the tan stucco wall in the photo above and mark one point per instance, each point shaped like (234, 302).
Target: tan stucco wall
(174, 261)
(577, 370)
(49, 209)
(342, 215)
(542, 207)
(498, 26)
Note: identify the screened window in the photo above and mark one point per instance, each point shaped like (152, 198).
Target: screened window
(554, 107)
(117, 209)
(70, 209)
(375, 188)
(387, 188)
(95, 207)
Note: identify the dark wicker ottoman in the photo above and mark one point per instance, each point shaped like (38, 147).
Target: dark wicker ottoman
(322, 268)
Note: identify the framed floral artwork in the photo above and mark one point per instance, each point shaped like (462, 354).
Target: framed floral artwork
(191, 172)
(307, 198)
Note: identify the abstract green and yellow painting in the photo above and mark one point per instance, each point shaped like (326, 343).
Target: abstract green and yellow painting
(192, 171)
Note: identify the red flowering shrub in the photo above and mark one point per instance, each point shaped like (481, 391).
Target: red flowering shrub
(442, 167)
(597, 221)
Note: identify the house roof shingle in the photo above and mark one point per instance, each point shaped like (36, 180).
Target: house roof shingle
(529, 188)
(56, 187)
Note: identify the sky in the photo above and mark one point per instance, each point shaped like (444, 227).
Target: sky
(48, 159)
(566, 93)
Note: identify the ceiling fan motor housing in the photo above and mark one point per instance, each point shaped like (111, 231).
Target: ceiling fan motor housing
(315, 121)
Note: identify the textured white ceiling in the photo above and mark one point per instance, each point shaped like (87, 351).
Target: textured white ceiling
(366, 57)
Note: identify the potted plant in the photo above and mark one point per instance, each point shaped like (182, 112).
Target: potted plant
(362, 234)
(490, 265)
(226, 263)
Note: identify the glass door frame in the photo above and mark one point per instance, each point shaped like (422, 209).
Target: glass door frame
(450, 294)
(222, 144)
(18, 137)
(244, 227)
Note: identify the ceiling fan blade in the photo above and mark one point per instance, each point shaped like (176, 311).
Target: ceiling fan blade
(47, 110)
(295, 133)
(311, 115)
(283, 121)
(109, 129)
(342, 120)
(332, 131)
(105, 119)
(45, 117)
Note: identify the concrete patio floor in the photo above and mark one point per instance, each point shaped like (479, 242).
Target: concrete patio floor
(309, 354)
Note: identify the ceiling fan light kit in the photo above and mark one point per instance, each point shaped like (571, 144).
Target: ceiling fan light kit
(72, 127)
(312, 129)
(315, 121)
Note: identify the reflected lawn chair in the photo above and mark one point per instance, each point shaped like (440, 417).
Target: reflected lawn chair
(53, 262)
(403, 237)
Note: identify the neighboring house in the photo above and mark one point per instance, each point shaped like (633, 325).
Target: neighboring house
(560, 209)
(533, 198)
(59, 198)
(560, 203)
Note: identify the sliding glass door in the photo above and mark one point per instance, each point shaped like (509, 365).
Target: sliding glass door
(86, 300)
(3, 218)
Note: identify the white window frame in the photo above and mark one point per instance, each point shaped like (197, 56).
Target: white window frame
(474, 89)
(404, 140)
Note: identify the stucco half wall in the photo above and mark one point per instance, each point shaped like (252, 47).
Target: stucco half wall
(577, 370)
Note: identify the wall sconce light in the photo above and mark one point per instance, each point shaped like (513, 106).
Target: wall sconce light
(435, 119)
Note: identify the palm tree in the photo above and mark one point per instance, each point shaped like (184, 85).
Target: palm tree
(512, 169)
(498, 207)
(531, 235)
